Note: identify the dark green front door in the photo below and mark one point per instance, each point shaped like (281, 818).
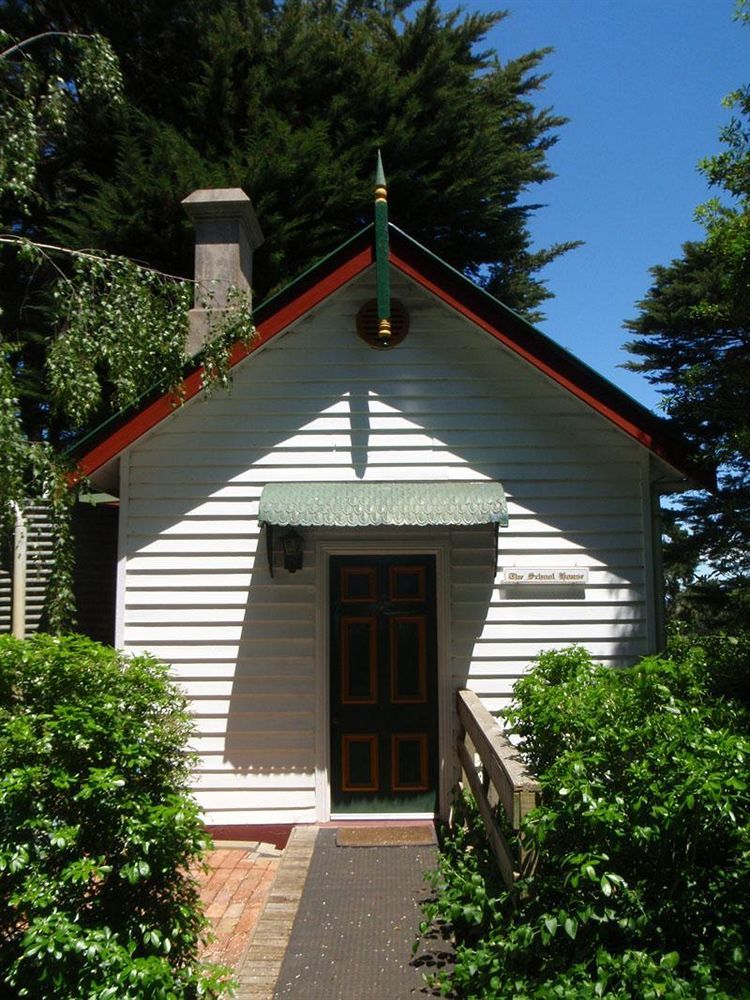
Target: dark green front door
(384, 732)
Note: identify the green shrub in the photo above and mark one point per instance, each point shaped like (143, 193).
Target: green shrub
(643, 884)
(724, 659)
(97, 829)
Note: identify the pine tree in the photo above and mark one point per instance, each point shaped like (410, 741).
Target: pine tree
(290, 100)
(693, 340)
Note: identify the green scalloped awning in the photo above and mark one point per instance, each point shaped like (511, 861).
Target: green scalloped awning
(363, 505)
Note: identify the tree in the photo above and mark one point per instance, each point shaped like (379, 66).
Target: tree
(51, 80)
(122, 325)
(693, 340)
(641, 875)
(288, 100)
(291, 100)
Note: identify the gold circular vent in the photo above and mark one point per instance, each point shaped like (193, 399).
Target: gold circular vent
(367, 324)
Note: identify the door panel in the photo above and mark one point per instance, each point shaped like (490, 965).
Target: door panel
(408, 660)
(359, 763)
(359, 668)
(384, 749)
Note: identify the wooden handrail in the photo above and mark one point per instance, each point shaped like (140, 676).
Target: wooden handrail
(517, 789)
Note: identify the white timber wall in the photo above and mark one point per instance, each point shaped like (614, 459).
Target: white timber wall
(449, 403)
(39, 566)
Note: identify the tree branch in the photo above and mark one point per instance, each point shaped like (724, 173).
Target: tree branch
(88, 255)
(20, 46)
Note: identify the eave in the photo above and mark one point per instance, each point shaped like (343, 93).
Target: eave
(273, 316)
(457, 292)
(548, 357)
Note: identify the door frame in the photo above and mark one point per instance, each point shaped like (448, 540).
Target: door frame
(436, 545)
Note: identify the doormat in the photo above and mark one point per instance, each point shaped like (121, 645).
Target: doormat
(385, 836)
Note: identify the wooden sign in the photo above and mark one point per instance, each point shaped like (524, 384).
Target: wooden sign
(574, 576)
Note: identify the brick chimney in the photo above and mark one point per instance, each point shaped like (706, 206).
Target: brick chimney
(226, 234)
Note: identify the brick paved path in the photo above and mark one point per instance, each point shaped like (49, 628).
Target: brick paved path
(234, 892)
(363, 901)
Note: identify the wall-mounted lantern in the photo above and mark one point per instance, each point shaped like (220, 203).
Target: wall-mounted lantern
(292, 543)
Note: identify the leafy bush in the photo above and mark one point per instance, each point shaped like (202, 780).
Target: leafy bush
(724, 659)
(97, 830)
(643, 884)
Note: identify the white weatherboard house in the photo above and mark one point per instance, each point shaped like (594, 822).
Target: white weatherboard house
(465, 494)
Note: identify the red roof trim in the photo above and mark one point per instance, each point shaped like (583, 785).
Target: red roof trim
(456, 291)
(155, 412)
(640, 435)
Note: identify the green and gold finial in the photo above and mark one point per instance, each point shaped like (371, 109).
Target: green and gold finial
(381, 255)
(381, 192)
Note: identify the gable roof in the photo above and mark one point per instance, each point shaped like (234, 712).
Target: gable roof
(353, 257)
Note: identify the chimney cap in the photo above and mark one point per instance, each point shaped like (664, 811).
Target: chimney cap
(213, 204)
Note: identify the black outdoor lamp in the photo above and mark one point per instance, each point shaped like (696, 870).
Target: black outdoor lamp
(292, 543)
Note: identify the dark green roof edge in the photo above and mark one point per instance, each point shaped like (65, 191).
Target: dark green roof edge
(520, 321)
(539, 344)
(551, 352)
(462, 277)
(162, 387)
(313, 268)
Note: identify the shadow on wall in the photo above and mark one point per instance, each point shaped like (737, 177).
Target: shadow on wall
(271, 725)
(256, 682)
(95, 569)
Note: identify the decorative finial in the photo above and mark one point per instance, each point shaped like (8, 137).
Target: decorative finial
(381, 192)
(381, 256)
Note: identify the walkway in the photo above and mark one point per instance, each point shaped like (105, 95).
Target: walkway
(234, 891)
(340, 921)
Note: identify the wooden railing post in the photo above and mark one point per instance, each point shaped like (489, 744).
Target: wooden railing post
(502, 769)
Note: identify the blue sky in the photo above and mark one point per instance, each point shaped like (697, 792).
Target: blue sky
(642, 83)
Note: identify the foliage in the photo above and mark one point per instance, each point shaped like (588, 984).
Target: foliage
(317, 86)
(117, 322)
(32, 468)
(36, 100)
(95, 348)
(289, 100)
(703, 603)
(693, 340)
(643, 882)
(467, 883)
(97, 830)
(723, 659)
(13, 440)
(114, 327)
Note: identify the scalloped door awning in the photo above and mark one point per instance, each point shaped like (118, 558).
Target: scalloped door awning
(363, 505)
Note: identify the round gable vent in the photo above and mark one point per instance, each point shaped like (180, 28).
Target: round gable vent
(367, 324)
